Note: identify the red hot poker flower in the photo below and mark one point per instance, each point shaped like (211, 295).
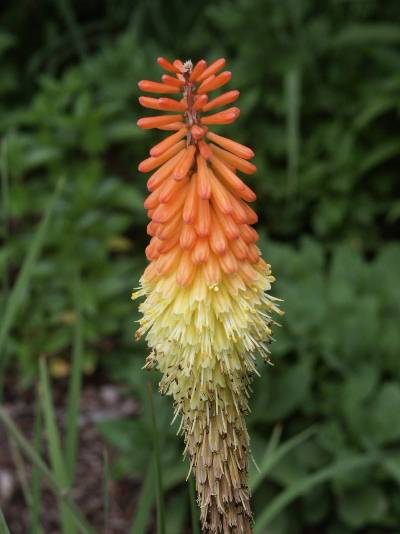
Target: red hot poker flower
(207, 311)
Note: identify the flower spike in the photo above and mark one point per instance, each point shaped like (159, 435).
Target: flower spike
(207, 310)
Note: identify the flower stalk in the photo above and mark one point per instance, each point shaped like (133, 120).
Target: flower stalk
(207, 310)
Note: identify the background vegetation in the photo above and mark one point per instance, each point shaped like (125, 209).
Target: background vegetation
(320, 86)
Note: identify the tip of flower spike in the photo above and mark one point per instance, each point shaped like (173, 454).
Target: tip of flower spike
(188, 66)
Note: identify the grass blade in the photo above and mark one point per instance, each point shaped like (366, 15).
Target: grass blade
(54, 444)
(393, 469)
(306, 484)
(18, 291)
(20, 471)
(293, 88)
(78, 519)
(3, 525)
(157, 461)
(75, 382)
(36, 477)
(145, 502)
(273, 454)
(5, 202)
(193, 506)
(106, 493)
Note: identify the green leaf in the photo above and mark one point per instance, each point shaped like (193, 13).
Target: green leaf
(362, 506)
(384, 413)
(145, 502)
(275, 454)
(287, 393)
(282, 500)
(3, 525)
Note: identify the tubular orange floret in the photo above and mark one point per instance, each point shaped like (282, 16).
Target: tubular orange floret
(178, 65)
(248, 234)
(238, 214)
(222, 117)
(166, 65)
(167, 230)
(212, 271)
(169, 104)
(190, 207)
(168, 262)
(184, 165)
(228, 225)
(152, 163)
(232, 146)
(212, 69)
(152, 228)
(149, 102)
(149, 274)
(228, 262)
(229, 177)
(168, 142)
(201, 251)
(239, 248)
(153, 200)
(204, 149)
(197, 132)
(169, 188)
(200, 102)
(207, 310)
(253, 253)
(158, 120)
(155, 87)
(252, 217)
(151, 250)
(247, 194)
(198, 70)
(218, 241)
(165, 212)
(186, 270)
(188, 237)
(219, 195)
(222, 100)
(204, 183)
(214, 82)
(203, 219)
(168, 244)
(165, 170)
(171, 80)
(237, 162)
(172, 126)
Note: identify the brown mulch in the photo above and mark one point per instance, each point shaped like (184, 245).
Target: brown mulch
(100, 401)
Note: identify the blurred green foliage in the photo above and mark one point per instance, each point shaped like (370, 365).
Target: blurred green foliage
(320, 85)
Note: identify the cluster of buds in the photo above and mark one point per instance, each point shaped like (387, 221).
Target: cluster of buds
(207, 310)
